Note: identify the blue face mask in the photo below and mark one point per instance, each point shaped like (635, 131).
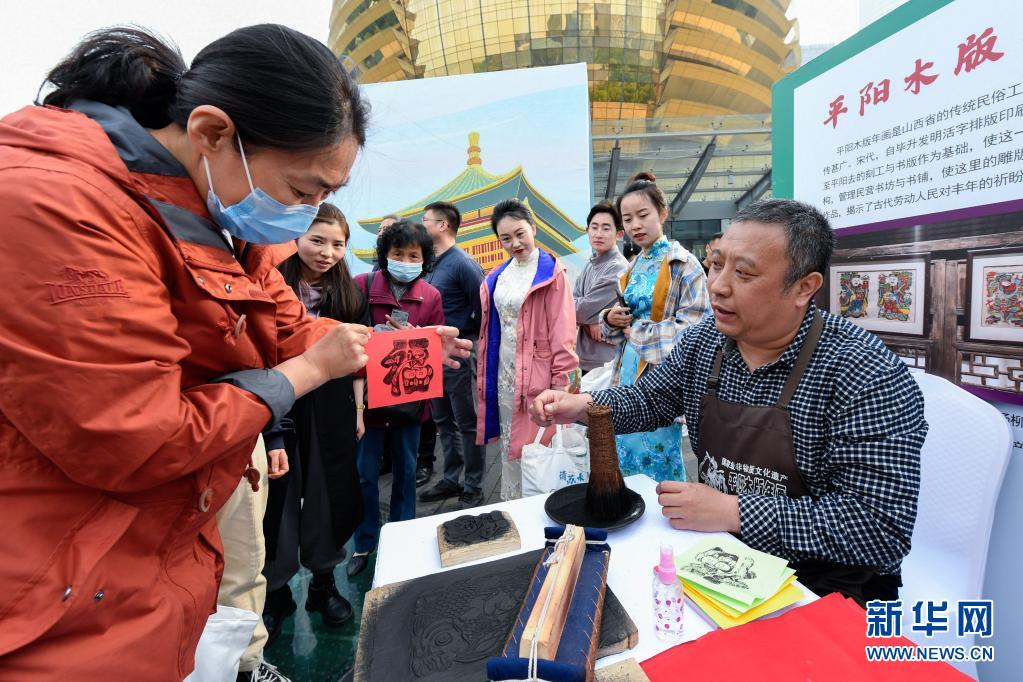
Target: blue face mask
(403, 272)
(258, 218)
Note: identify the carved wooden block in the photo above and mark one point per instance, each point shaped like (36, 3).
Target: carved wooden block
(622, 671)
(617, 630)
(467, 538)
(443, 627)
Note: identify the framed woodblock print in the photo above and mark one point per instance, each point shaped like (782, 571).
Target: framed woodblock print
(887, 295)
(994, 280)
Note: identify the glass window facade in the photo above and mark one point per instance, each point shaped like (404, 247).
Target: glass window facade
(693, 234)
(644, 57)
(654, 66)
(386, 21)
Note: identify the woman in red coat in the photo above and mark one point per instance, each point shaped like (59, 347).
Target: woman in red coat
(147, 337)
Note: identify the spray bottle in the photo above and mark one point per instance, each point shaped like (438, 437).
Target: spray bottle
(668, 598)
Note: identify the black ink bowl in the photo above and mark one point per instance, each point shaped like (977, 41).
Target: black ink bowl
(568, 506)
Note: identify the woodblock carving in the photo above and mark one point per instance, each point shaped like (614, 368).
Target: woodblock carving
(622, 671)
(469, 537)
(443, 627)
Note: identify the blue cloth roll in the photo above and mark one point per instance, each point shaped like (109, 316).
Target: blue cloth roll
(571, 663)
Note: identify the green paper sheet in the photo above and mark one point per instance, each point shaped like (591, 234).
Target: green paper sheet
(731, 606)
(743, 576)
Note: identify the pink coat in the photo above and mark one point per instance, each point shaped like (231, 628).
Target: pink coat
(544, 354)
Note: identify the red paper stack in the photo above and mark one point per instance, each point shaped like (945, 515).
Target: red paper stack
(824, 642)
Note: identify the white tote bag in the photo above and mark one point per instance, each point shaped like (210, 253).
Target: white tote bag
(598, 379)
(223, 641)
(565, 462)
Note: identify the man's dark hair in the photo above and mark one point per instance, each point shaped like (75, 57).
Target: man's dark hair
(511, 208)
(810, 238)
(716, 236)
(605, 206)
(451, 214)
(405, 233)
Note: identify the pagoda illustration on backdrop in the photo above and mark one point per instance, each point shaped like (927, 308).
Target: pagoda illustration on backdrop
(475, 192)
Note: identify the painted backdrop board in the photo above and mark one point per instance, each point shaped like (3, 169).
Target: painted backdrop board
(475, 140)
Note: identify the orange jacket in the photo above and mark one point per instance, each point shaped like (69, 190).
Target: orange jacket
(120, 437)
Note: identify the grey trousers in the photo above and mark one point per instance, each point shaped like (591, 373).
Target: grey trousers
(455, 417)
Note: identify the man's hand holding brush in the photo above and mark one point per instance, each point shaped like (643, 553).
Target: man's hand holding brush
(559, 407)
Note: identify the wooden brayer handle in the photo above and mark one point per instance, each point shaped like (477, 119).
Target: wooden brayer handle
(556, 594)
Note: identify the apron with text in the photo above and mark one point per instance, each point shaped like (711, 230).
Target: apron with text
(749, 449)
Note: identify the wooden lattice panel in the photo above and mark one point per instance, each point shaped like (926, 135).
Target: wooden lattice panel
(991, 371)
(915, 358)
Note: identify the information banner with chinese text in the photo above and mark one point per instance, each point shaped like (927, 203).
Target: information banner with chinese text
(916, 119)
(909, 135)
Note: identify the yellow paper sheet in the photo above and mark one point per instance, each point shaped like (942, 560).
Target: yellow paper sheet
(724, 604)
(788, 595)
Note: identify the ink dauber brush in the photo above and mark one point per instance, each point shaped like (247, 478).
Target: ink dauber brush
(607, 498)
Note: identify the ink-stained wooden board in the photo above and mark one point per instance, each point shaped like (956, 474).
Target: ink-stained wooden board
(622, 671)
(469, 537)
(617, 631)
(444, 626)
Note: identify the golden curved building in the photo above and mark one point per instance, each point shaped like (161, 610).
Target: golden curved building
(646, 58)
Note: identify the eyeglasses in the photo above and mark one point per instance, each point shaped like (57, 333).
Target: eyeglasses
(434, 220)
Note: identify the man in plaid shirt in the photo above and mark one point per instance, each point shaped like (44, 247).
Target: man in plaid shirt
(856, 417)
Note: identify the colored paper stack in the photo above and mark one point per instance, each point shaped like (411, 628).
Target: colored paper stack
(732, 584)
(823, 641)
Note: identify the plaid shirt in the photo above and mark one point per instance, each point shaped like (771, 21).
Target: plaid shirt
(858, 425)
(686, 303)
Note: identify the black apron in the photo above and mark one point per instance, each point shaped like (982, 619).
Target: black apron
(750, 449)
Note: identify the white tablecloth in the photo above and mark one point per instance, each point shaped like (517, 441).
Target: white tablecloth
(408, 549)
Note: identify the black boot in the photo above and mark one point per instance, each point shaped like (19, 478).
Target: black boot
(324, 597)
(279, 605)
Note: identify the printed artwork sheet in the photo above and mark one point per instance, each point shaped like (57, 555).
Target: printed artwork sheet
(742, 576)
(404, 365)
